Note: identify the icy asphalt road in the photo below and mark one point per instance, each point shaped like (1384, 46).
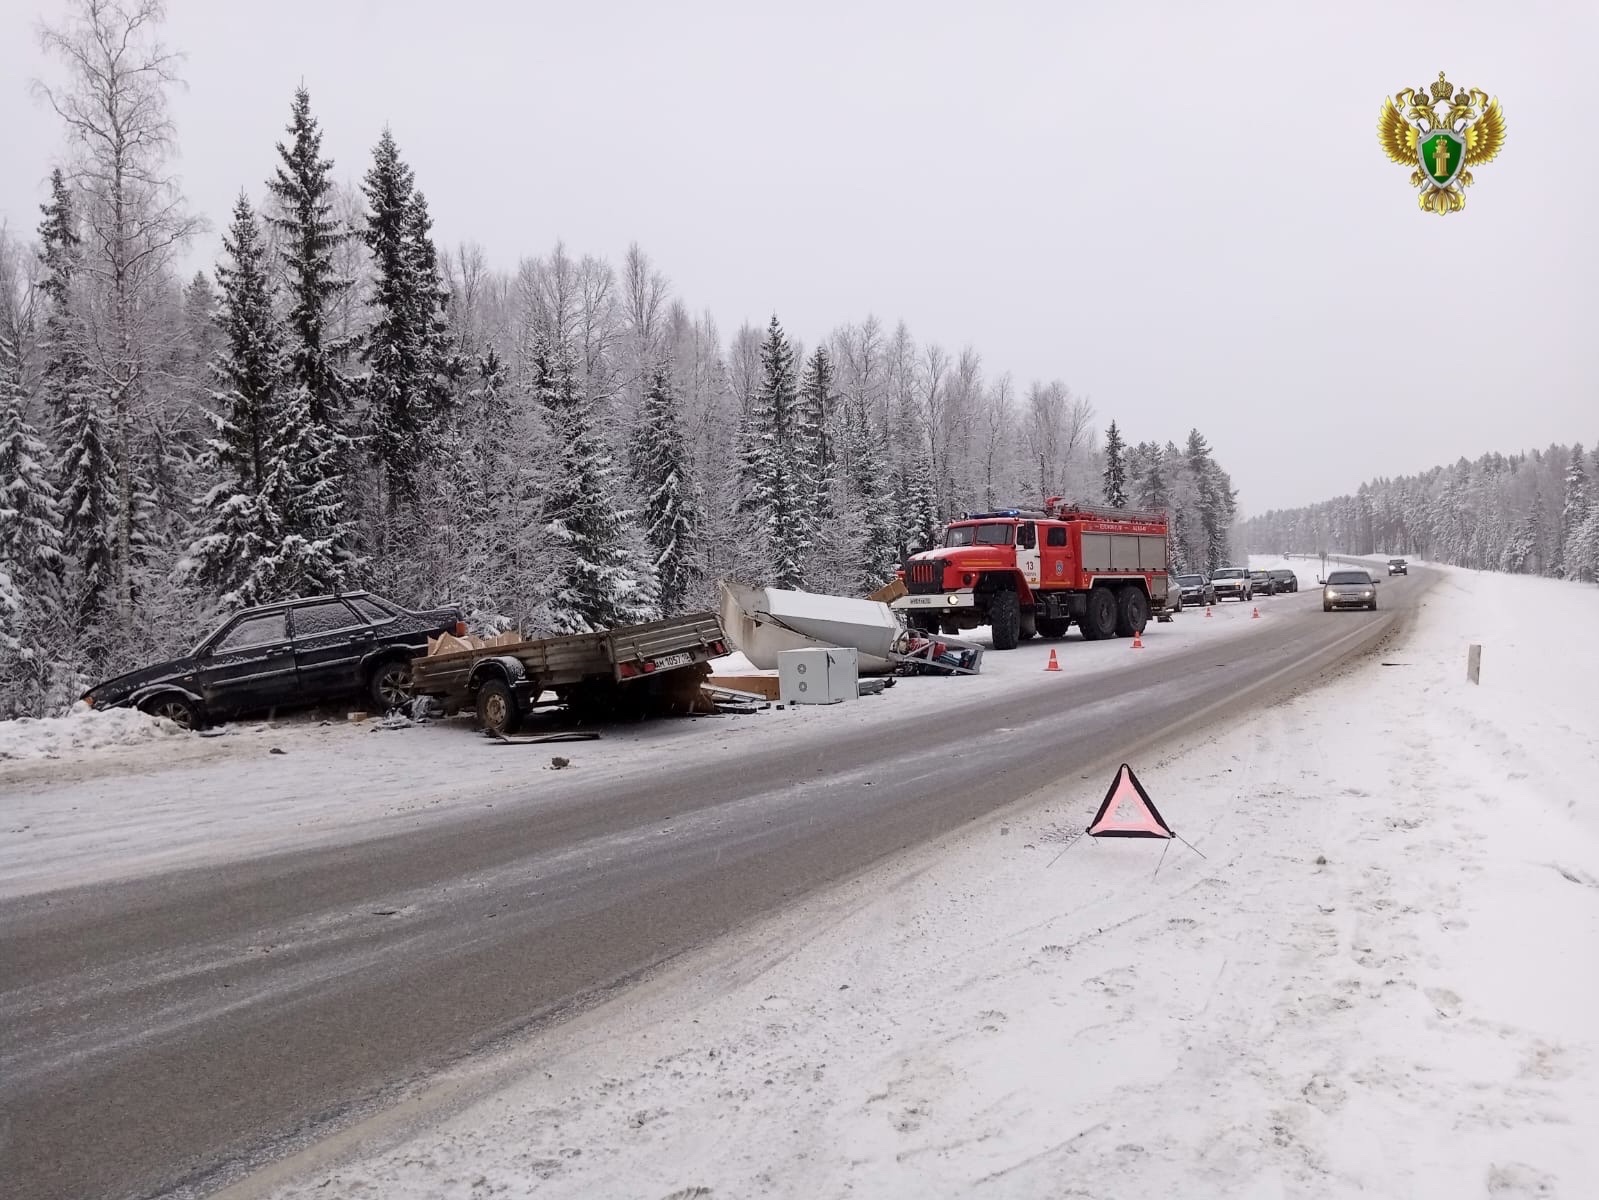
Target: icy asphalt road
(162, 1035)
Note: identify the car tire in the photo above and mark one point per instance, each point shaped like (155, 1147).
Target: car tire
(1132, 612)
(1373, 606)
(1005, 619)
(388, 685)
(1325, 607)
(180, 710)
(1099, 615)
(497, 709)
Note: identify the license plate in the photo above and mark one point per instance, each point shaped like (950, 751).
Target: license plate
(673, 660)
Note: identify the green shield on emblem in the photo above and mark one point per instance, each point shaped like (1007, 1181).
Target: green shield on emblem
(1442, 153)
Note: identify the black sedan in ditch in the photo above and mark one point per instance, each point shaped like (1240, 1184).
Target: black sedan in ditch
(293, 653)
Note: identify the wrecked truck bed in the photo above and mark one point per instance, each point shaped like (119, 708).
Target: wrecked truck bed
(630, 670)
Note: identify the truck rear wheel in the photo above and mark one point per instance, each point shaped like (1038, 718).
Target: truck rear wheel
(1052, 627)
(1132, 612)
(1099, 616)
(497, 708)
(1005, 619)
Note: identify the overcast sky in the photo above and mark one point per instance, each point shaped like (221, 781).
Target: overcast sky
(1180, 209)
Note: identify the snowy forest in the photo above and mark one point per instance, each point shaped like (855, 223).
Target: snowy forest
(339, 403)
(1535, 514)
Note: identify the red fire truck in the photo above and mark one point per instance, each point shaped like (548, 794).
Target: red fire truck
(1026, 573)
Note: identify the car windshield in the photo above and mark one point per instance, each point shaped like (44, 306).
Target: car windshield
(1349, 577)
(1190, 580)
(1229, 573)
(993, 533)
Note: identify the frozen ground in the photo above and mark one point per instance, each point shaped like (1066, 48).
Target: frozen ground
(1378, 981)
(71, 814)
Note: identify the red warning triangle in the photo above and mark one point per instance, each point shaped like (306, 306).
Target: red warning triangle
(1128, 811)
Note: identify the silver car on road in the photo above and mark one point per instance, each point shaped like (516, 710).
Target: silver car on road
(1349, 589)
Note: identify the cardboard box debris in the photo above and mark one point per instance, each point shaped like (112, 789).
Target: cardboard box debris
(889, 592)
(448, 643)
(758, 685)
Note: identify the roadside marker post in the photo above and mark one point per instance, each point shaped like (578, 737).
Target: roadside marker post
(1473, 663)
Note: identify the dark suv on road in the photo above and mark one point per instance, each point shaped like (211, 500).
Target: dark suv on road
(295, 652)
(1285, 579)
(1262, 583)
(1196, 589)
(1398, 566)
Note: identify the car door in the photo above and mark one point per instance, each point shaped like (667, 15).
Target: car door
(249, 665)
(331, 641)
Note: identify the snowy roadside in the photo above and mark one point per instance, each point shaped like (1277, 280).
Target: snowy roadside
(1377, 981)
(82, 813)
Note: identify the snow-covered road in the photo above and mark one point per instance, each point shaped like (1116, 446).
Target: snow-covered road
(1378, 981)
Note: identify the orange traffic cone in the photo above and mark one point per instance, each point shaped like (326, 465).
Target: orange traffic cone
(1256, 617)
(1207, 612)
(1054, 664)
(1138, 639)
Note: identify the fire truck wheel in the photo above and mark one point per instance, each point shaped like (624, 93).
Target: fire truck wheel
(1099, 617)
(1132, 612)
(1052, 627)
(1005, 619)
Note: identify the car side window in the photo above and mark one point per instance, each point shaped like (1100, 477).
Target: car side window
(251, 632)
(327, 616)
(1057, 536)
(371, 610)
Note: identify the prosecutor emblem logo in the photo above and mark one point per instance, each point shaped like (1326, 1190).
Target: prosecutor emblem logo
(1440, 133)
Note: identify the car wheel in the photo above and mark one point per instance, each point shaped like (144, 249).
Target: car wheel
(1326, 607)
(497, 709)
(390, 685)
(180, 710)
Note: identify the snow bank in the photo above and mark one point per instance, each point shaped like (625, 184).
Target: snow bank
(82, 731)
(1378, 980)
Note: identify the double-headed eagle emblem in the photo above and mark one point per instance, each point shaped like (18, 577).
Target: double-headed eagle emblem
(1439, 133)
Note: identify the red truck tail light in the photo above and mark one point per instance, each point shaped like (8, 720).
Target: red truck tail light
(460, 629)
(649, 667)
(718, 649)
(626, 670)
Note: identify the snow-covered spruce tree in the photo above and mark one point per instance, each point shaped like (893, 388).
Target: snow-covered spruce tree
(600, 581)
(441, 366)
(61, 337)
(396, 410)
(1574, 509)
(921, 508)
(1150, 489)
(239, 531)
(869, 508)
(30, 510)
(313, 508)
(1215, 501)
(1582, 548)
(31, 563)
(772, 476)
(1115, 474)
(660, 470)
(817, 399)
